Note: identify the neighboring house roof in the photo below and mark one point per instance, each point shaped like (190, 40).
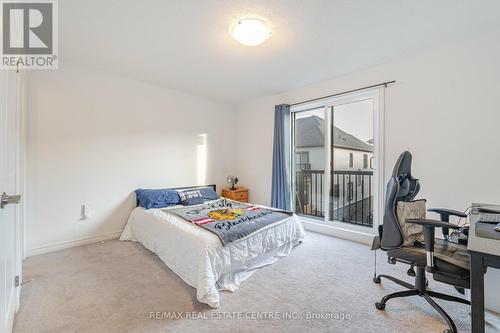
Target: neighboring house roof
(309, 133)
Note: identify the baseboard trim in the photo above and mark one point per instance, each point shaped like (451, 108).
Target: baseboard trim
(344, 233)
(72, 243)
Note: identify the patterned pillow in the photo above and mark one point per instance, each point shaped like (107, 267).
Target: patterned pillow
(411, 210)
(193, 201)
(184, 195)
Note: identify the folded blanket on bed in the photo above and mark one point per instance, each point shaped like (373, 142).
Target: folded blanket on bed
(230, 220)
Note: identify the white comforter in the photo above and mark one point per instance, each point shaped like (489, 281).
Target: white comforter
(199, 258)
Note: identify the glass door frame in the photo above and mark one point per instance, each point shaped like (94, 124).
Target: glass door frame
(377, 94)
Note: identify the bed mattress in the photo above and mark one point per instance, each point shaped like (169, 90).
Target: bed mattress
(199, 258)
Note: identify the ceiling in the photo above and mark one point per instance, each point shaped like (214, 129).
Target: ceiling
(185, 44)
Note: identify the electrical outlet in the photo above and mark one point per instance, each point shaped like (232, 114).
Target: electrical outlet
(84, 212)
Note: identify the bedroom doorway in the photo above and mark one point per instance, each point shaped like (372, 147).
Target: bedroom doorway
(337, 146)
(11, 234)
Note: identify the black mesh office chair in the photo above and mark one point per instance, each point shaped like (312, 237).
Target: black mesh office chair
(447, 262)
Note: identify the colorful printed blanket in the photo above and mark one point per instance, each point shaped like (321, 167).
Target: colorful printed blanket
(230, 220)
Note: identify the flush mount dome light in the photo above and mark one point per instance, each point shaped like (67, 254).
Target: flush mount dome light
(251, 31)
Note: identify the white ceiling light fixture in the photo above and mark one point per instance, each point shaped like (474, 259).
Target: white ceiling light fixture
(251, 31)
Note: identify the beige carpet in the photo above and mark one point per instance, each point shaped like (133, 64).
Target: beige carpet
(113, 286)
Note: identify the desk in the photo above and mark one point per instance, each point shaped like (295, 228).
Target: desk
(484, 252)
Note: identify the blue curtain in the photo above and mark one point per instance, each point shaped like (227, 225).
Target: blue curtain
(280, 195)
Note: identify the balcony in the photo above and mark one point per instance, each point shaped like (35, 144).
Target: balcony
(350, 195)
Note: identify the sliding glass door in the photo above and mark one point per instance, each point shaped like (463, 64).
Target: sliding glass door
(308, 162)
(351, 181)
(336, 146)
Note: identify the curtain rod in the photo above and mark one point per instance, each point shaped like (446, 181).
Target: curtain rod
(346, 92)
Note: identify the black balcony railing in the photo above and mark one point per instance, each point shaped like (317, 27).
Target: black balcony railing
(350, 195)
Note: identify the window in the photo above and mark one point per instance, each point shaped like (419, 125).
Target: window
(328, 181)
(302, 160)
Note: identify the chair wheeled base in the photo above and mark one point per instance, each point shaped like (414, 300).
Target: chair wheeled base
(420, 289)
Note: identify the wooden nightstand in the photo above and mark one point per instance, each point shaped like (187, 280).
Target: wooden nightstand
(239, 194)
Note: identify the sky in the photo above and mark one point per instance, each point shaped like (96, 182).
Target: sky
(354, 118)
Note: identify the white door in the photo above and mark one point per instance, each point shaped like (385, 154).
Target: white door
(10, 120)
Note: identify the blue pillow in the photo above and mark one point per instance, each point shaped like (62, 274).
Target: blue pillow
(138, 192)
(208, 194)
(157, 198)
(193, 201)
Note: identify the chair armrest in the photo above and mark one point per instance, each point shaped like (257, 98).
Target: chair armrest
(429, 227)
(433, 223)
(447, 212)
(445, 216)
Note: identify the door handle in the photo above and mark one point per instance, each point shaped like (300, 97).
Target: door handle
(9, 199)
(371, 162)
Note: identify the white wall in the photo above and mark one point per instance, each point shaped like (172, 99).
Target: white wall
(444, 108)
(94, 137)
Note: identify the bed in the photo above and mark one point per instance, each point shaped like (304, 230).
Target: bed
(198, 256)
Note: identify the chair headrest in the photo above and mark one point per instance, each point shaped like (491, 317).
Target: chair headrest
(408, 185)
(403, 165)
